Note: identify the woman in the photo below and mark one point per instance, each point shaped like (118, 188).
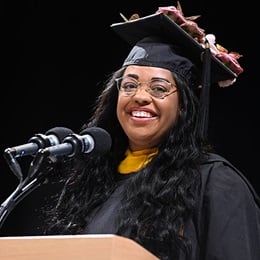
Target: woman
(160, 184)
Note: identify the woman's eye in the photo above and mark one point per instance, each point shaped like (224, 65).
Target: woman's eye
(129, 85)
(159, 88)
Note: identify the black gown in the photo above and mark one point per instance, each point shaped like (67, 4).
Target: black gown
(227, 226)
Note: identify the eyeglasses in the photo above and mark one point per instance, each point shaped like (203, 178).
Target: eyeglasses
(157, 87)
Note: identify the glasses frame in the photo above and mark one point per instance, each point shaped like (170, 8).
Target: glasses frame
(148, 89)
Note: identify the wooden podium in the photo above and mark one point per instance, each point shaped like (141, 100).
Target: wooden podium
(72, 247)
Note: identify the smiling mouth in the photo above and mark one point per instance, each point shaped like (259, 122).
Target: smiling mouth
(141, 114)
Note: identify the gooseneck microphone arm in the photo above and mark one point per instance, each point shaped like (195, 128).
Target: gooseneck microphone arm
(36, 175)
(25, 187)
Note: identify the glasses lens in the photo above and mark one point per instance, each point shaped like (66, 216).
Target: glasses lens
(159, 88)
(127, 85)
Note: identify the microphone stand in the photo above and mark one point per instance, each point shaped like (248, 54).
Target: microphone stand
(32, 181)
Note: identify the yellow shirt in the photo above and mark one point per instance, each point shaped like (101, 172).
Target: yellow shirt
(136, 160)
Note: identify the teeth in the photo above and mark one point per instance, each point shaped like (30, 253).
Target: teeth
(141, 114)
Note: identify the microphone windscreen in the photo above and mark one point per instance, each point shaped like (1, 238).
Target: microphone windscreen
(102, 139)
(59, 132)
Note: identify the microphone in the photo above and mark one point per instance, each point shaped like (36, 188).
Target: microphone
(52, 137)
(94, 140)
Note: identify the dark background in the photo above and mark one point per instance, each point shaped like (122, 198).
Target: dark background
(55, 53)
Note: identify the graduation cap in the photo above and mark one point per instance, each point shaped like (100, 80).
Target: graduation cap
(163, 27)
(157, 40)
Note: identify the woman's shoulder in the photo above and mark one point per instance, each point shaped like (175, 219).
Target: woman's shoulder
(220, 177)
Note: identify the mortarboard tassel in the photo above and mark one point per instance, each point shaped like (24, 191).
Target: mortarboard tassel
(203, 119)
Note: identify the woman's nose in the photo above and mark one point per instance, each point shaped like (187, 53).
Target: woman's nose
(142, 96)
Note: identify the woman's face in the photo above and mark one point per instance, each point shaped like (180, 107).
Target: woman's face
(144, 118)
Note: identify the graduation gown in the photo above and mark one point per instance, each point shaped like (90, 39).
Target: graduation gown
(227, 224)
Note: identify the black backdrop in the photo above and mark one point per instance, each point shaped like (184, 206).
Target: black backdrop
(57, 52)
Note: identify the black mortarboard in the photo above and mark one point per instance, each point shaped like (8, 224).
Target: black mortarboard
(158, 41)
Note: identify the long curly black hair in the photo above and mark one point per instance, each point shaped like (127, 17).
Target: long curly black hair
(159, 201)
